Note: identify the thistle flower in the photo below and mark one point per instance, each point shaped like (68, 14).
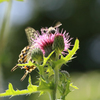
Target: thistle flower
(45, 41)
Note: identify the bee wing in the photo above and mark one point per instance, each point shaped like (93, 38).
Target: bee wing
(31, 34)
(57, 24)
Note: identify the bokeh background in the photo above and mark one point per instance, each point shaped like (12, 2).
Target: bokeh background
(81, 18)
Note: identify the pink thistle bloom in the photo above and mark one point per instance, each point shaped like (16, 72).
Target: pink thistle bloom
(44, 41)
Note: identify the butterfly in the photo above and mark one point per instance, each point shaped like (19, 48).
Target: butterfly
(25, 55)
(51, 29)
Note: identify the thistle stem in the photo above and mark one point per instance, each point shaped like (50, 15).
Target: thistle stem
(63, 98)
(56, 78)
(52, 95)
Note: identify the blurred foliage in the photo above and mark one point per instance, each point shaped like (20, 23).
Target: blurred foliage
(9, 0)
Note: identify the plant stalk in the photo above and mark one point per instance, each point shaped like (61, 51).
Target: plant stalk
(56, 79)
(52, 95)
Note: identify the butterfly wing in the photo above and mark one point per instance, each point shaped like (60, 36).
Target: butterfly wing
(22, 58)
(31, 34)
(25, 54)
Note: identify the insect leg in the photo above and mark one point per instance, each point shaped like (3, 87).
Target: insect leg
(14, 68)
(24, 75)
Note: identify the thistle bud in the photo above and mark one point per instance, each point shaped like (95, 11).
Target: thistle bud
(37, 54)
(58, 43)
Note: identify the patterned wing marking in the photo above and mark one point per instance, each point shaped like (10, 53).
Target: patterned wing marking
(31, 34)
(22, 57)
(22, 60)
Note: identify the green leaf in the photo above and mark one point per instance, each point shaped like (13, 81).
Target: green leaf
(45, 59)
(27, 64)
(29, 80)
(45, 87)
(73, 51)
(50, 71)
(75, 87)
(64, 89)
(11, 92)
(65, 84)
(67, 88)
(30, 86)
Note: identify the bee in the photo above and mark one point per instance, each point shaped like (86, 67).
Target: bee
(25, 55)
(51, 29)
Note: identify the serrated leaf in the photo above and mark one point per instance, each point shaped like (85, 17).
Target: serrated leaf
(50, 71)
(73, 51)
(30, 86)
(64, 89)
(45, 59)
(10, 89)
(44, 86)
(11, 92)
